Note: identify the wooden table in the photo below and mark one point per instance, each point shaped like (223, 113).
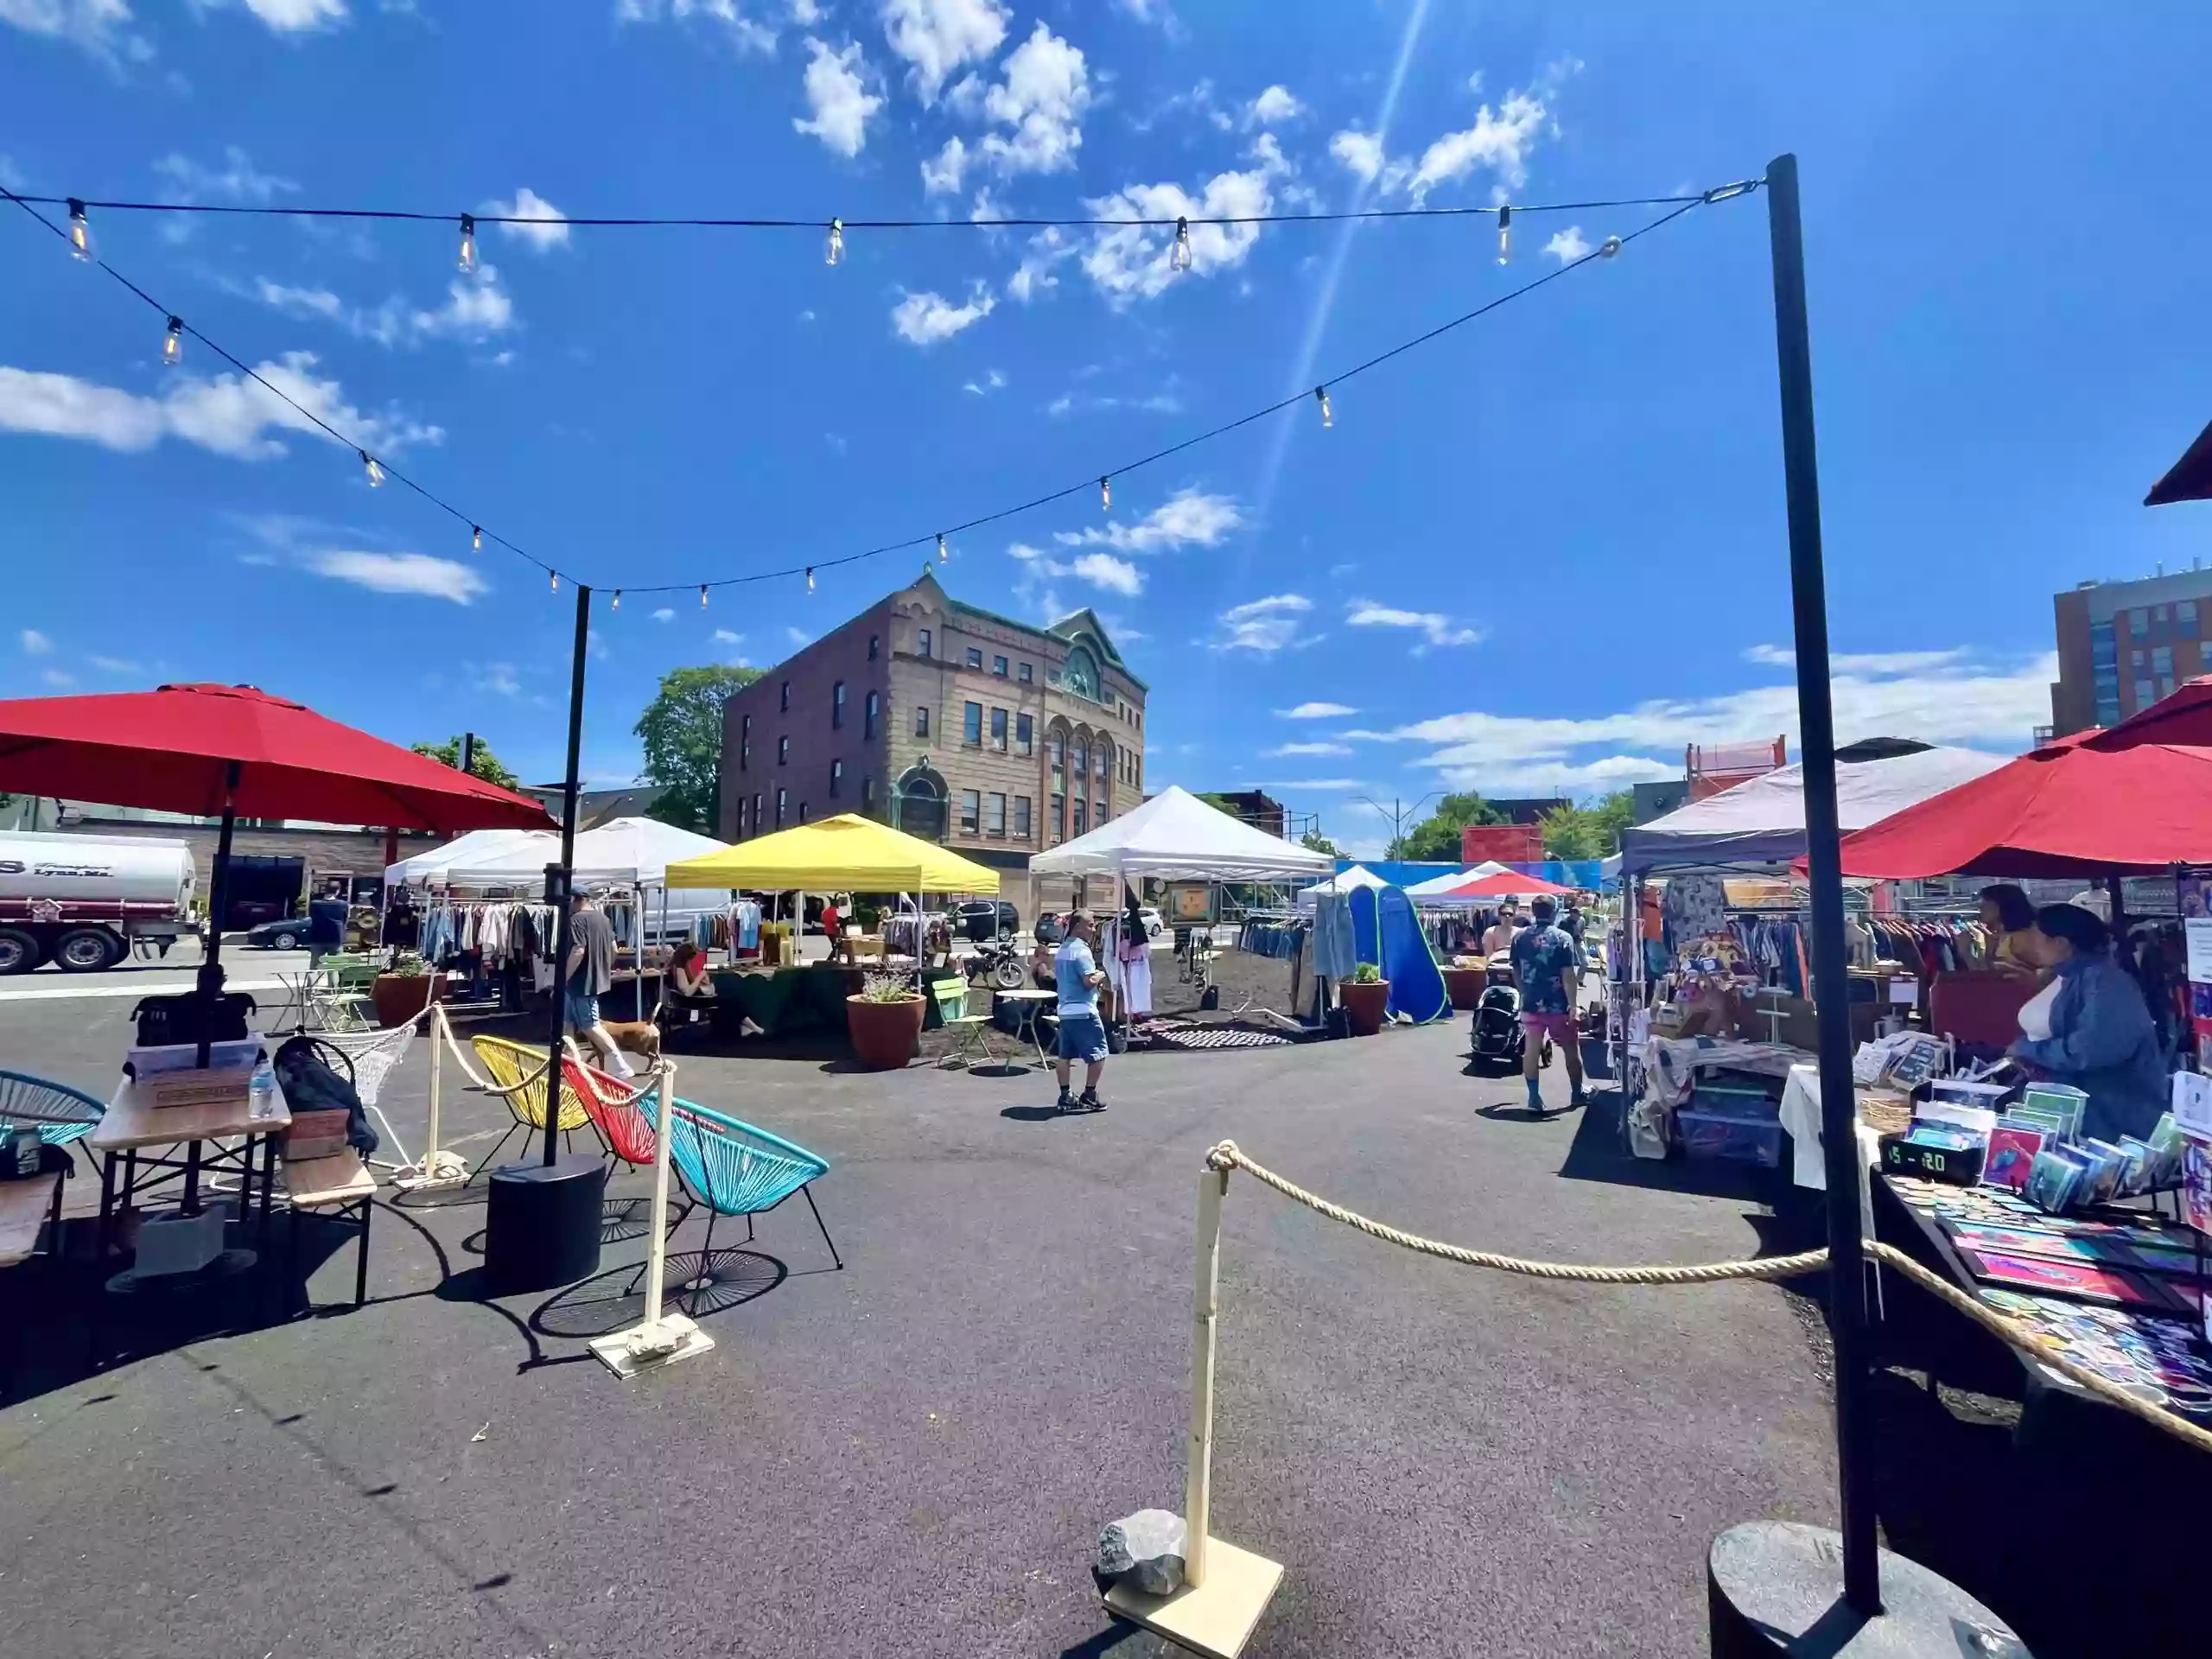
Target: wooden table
(133, 1124)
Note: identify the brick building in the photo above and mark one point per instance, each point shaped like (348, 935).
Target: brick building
(2122, 646)
(950, 722)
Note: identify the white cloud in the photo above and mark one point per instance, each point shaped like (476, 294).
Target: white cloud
(798, 636)
(398, 573)
(116, 665)
(499, 678)
(1316, 711)
(1190, 517)
(1046, 249)
(837, 84)
(1101, 570)
(1435, 627)
(547, 227)
(993, 380)
(1265, 625)
(296, 17)
(744, 32)
(1104, 570)
(229, 414)
(941, 174)
(237, 180)
(1272, 108)
(476, 308)
(1154, 12)
(1360, 152)
(36, 643)
(1132, 261)
(724, 637)
(1310, 748)
(1567, 245)
(1316, 786)
(1200, 100)
(1042, 96)
(57, 679)
(665, 614)
(936, 36)
(1877, 663)
(1500, 140)
(925, 318)
(99, 26)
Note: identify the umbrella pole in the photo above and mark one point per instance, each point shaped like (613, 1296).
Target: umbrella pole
(566, 876)
(218, 898)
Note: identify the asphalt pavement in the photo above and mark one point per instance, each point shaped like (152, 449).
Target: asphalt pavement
(913, 1455)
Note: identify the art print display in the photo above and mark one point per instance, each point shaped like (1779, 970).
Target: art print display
(2080, 1278)
(2011, 1155)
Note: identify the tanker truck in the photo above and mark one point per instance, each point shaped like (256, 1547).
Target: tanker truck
(85, 901)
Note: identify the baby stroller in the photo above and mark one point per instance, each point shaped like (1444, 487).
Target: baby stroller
(1498, 1040)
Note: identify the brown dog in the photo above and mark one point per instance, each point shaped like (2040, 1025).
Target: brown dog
(640, 1037)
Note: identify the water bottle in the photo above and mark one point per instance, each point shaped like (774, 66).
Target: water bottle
(261, 1093)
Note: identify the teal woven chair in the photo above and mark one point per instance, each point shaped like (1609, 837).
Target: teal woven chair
(59, 1113)
(736, 1170)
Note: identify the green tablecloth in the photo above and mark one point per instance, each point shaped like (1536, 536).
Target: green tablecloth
(789, 1000)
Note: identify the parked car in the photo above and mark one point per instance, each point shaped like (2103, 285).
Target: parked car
(986, 919)
(286, 933)
(1155, 923)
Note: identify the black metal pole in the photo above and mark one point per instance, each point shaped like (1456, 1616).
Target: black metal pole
(567, 874)
(218, 898)
(468, 752)
(1862, 1587)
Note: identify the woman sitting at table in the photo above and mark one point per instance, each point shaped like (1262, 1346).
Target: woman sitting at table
(2011, 921)
(2090, 1027)
(687, 972)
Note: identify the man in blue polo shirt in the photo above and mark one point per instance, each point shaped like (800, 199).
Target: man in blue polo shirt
(1082, 1033)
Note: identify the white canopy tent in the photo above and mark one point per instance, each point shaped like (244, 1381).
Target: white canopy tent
(1437, 890)
(1343, 881)
(429, 868)
(1175, 836)
(634, 852)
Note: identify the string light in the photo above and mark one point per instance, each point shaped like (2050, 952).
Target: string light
(1321, 396)
(1608, 247)
(375, 472)
(554, 577)
(944, 553)
(1505, 232)
(617, 605)
(1106, 494)
(703, 595)
(468, 245)
(809, 578)
(476, 538)
(835, 252)
(80, 231)
(1179, 258)
(172, 344)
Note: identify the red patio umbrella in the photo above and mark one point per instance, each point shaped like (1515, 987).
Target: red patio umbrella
(2183, 716)
(231, 749)
(2188, 478)
(1506, 884)
(2065, 810)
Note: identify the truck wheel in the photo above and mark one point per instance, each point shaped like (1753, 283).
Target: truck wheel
(86, 951)
(19, 951)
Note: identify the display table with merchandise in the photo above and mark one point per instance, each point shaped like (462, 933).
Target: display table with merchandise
(1711, 1095)
(783, 1002)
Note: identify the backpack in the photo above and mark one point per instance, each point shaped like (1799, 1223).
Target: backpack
(164, 1020)
(310, 1085)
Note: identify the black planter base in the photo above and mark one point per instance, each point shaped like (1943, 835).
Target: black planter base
(1775, 1587)
(542, 1225)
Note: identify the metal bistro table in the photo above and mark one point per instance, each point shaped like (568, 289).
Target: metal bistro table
(1027, 1007)
(134, 1127)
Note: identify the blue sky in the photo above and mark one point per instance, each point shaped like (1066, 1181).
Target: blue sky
(1543, 553)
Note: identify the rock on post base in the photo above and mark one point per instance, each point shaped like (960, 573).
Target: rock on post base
(1774, 1587)
(1144, 1551)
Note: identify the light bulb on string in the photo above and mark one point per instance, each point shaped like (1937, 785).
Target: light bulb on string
(1504, 233)
(617, 605)
(172, 344)
(1106, 494)
(703, 595)
(833, 254)
(476, 538)
(1178, 258)
(1608, 247)
(1321, 396)
(809, 578)
(468, 245)
(553, 578)
(375, 472)
(944, 553)
(80, 231)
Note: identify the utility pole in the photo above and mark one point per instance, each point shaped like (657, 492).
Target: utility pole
(1398, 812)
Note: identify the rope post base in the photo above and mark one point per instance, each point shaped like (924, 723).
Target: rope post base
(1775, 1587)
(661, 1338)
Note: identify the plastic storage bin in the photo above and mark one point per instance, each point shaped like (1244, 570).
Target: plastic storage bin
(1730, 1129)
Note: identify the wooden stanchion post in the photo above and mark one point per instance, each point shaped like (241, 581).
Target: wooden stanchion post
(660, 1338)
(436, 1169)
(1198, 1476)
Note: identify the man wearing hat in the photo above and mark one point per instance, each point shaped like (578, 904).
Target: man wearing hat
(1544, 964)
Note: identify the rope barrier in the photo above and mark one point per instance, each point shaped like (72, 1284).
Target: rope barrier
(1226, 1156)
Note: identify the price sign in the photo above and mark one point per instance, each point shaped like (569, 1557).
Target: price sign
(2198, 930)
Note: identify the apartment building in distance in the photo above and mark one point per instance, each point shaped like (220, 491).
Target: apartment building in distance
(2122, 646)
(995, 738)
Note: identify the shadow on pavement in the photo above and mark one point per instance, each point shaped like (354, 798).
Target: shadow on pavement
(695, 1284)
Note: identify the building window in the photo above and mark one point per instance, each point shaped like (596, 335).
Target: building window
(1075, 826)
(757, 804)
(1025, 734)
(741, 818)
(970, 808)
(875, 646)
(745, 727)
(784, 702)
(1080, 761)
(867, 794)
(2135, 659)
(994, 815)
(1059, 817)
(2139, 625)
(922, 720)
(2166, 686)
(923, 644)
(744, 757)
(2185, 617)
(837, 706)
(802, 812)
(781, 796)
(2161, 659)
(998, 667)
(998, 730)
(836, 779)
(2143, 697)
(2160, 614)
(1053, 751)
(783, 751)
(1027, 675)
(1105, 757)
(868, 713)
(971, 729)
(1021, 818)
(975, 658)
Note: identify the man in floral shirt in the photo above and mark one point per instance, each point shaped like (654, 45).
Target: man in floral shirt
(1545, 961)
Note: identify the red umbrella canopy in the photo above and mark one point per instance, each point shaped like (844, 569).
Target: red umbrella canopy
(1506, 884)
(170, 750)
(2064, 810)
(2183, 717)
(2189, 479)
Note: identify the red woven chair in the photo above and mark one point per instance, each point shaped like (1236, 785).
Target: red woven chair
(620, 1110)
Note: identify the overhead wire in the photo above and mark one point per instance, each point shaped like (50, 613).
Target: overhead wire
(1678, 206)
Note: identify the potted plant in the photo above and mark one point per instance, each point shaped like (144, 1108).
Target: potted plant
(885, 1018)
(405, 988)
(1365, 994)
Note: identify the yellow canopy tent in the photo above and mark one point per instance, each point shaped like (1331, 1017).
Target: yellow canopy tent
(846, 853)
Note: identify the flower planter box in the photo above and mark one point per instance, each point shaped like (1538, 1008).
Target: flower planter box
(400, 997)
(1364, 1003)
(1465, 986)
(884, 1034)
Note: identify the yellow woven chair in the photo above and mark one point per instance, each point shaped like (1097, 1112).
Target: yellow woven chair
(517, 1075)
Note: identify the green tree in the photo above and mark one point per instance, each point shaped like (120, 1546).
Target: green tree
(482, 763)
(1436, 837)
(1315, 842)
(1593, 831)
(682, 730)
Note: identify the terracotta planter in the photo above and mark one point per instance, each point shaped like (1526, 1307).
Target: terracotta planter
(402, 996)
(1364, 1003)
(1463, 986)
(884, 1034)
